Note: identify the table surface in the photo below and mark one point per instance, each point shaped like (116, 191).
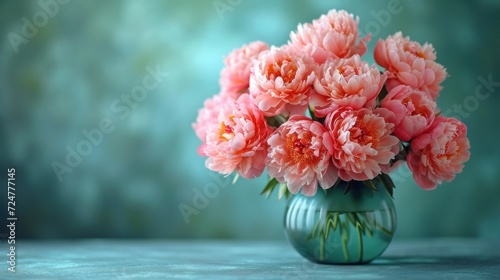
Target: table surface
(240, 259)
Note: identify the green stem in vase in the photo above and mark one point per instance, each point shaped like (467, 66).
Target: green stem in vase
(384, 230)
(339, 227)
(359, 229)
(322, 249)
(344, 232)
(364, 224)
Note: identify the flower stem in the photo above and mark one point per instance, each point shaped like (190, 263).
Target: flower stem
(359, 228)
(338, 225)
(322, 249)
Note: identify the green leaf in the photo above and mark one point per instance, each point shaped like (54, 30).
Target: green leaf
(268, 189)
(336, 183)
(348, 187)
(370, 184)
(283, 191)
(382, 94)
(236, 177)
(389, 185)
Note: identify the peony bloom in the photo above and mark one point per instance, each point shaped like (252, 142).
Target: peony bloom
(299, 155)
(348, 82)
(235, 77)
(409, 63)
(414, 111)
(237, 141)
(334, 35)
(281, 82)
(362, 142)
(207, 116)
(439, 154)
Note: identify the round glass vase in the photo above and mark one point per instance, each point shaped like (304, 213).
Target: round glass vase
(343, 225)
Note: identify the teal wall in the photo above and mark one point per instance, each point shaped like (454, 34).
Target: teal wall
(71, 74)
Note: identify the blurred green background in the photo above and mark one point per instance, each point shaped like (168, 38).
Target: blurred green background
(85, 56)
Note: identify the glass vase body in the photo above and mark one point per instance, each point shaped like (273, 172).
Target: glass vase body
(339, 227)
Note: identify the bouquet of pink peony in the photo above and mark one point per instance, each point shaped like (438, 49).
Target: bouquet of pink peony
(313, 113)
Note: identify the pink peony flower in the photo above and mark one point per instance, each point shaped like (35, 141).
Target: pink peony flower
(207, 116)
(235, 77)
(439, 154)
(281, 82)
(362, 142)
(334, 35)
(237, 141)
(299, 155)
(409, 63)
(348, 82)
(414, 111)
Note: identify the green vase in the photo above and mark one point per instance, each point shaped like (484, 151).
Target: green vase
(339, 227)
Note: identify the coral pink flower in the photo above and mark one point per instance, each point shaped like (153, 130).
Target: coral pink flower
(333, 35)
(207, 116)
(362, 142)
(281, 82)
(235, 77)
(299, 155)
(348, 82)
(414, 111)
(238, 140)
(409, 63)
(439, 154)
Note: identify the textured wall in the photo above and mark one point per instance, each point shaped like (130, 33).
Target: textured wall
(75, 67)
